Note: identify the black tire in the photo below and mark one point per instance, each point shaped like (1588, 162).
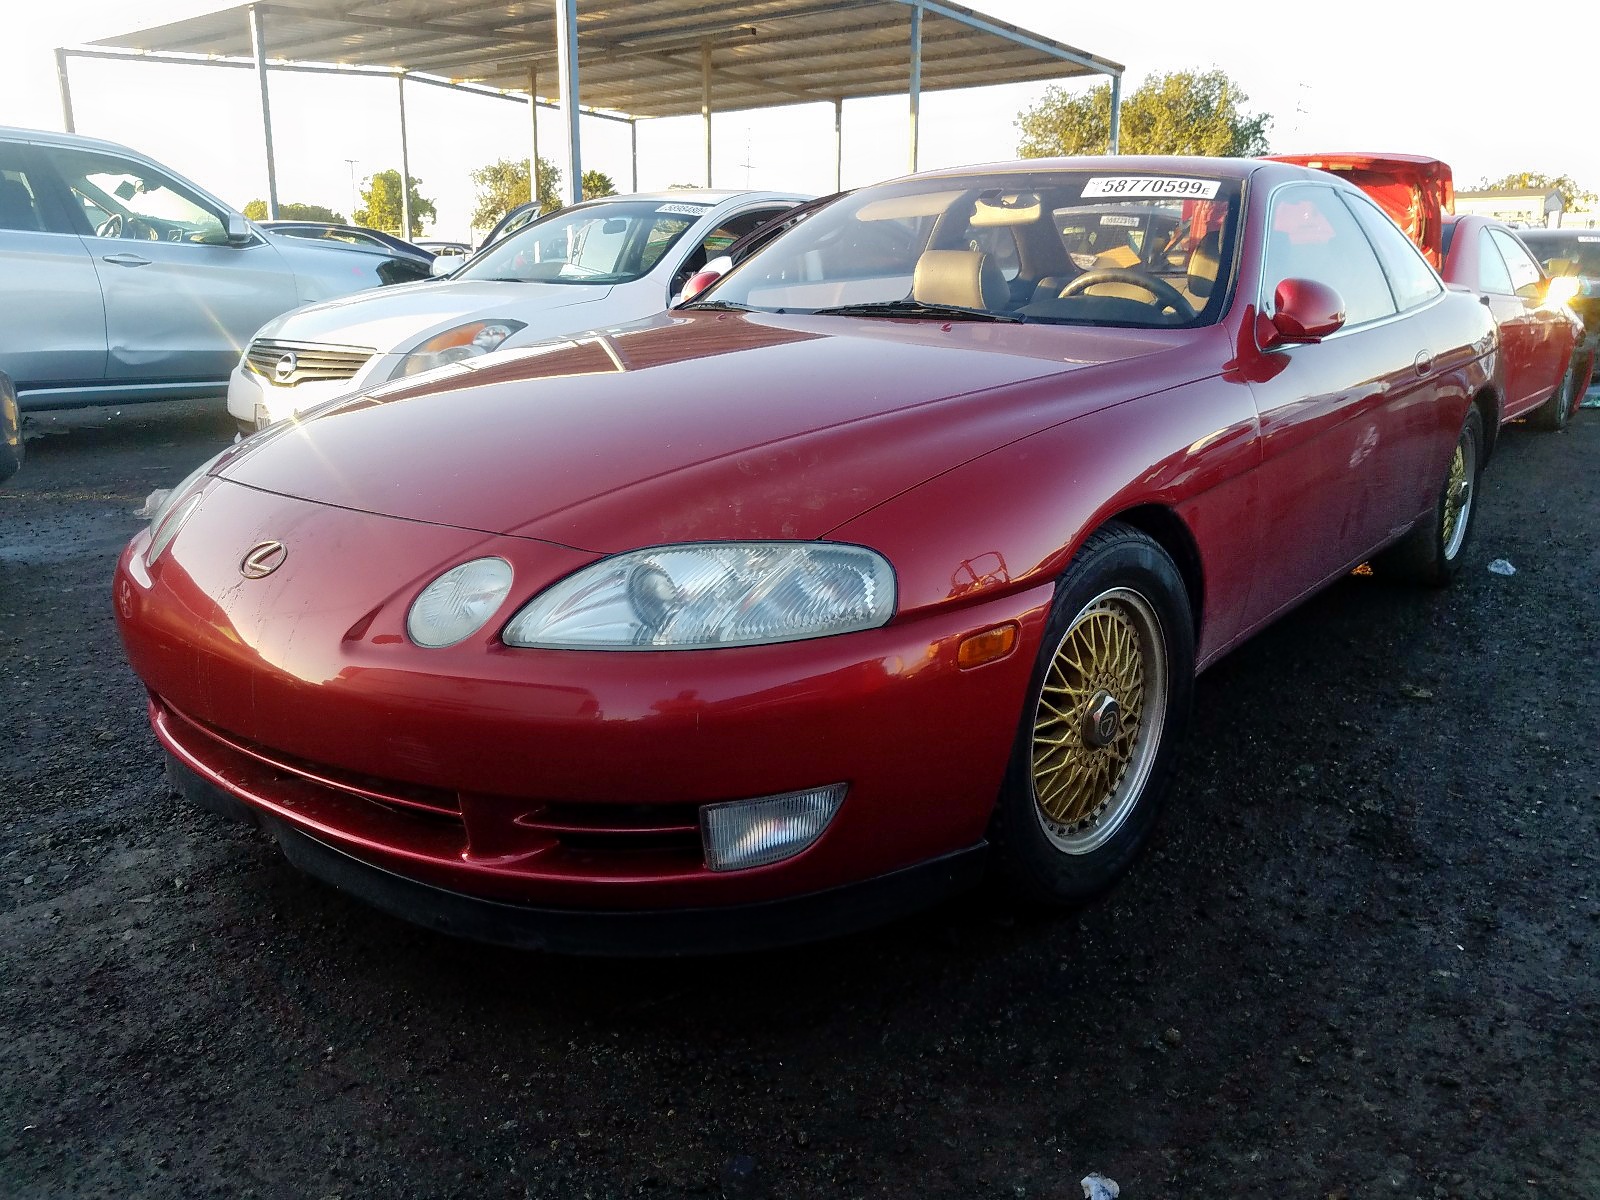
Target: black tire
(1123, 592)
(1553, 415)
(1432, 552)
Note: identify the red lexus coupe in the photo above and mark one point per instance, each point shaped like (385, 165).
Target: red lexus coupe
(889, 558)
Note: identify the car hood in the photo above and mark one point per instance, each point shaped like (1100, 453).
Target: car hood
(385, 318)
(701, 425)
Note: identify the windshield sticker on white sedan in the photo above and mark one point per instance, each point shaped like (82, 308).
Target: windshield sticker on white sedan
(1119, 221)
(684, 210)
(1150, 185)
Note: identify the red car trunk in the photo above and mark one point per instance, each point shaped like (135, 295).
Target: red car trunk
(1415, 191)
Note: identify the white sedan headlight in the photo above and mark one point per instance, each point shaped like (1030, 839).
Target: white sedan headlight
(709, 594)
(454, 345)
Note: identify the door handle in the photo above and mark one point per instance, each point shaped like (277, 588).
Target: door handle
(126, 260)
(1423, 362)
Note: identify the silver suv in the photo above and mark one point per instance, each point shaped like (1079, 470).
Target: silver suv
(126, 282)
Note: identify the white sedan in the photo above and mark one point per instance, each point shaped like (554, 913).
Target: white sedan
(593, 265)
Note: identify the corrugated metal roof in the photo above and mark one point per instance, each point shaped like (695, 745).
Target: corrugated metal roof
(642, 57)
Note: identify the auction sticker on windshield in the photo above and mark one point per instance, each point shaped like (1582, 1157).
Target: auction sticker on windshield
(1150, 185)
(683, 210)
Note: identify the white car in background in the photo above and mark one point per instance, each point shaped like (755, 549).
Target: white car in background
(597, 264)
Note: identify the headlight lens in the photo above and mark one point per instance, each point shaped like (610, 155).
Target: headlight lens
(169, 517)
(455, 606)
(453, 345)
(711, 594)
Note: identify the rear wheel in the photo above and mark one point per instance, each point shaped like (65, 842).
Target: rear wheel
(1106, 709)
(1432, 552)
(1552, 416)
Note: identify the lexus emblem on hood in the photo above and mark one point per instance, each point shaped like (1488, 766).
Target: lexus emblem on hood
(263, 559)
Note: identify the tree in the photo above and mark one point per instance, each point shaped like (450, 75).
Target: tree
(381, 204)
(256, 210)
(503, 185)
(1184, 112)
(597, 184)
(1521, 181)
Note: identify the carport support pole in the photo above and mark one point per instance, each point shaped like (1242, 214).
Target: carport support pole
(705, 100)
(1116, 113)
(533, 130)
(258, 41)
(838, 144)
(914, 91)
(405, 166)
(633, 137)
(66, 90)
(567, 67)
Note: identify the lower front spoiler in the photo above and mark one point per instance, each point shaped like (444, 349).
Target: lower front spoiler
(650, 933)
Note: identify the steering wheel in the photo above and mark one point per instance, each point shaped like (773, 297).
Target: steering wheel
(112, 226)
(1163, 293)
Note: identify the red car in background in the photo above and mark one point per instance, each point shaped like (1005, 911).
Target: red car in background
(892, 556)
(1543, 373)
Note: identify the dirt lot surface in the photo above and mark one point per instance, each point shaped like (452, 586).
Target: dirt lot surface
(1361, 959)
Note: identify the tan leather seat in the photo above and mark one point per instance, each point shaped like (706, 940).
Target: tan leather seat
(966, 278)
(1205, 265)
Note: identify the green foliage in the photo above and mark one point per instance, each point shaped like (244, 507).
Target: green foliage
(503, 185)
(1184, 112)
(256, 210)
(1572, 196)
(381, 204)
(597, 184)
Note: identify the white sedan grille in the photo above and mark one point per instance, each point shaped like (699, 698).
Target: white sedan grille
(288, 363)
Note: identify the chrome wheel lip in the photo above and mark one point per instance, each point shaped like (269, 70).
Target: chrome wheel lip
(1456, 534)
(1116, 808)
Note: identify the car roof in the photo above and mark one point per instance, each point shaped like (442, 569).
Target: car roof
(1142, 164)
(50, 138)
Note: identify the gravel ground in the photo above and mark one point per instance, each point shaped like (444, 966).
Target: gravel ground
(1359, 960)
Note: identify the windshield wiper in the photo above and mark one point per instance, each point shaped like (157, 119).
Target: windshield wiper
(915, 308)
(719, 306)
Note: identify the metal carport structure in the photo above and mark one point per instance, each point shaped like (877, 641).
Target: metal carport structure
(621, 60)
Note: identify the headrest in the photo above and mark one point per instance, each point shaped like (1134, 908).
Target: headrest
(1205, 264)
(962, 277)
(16, 206)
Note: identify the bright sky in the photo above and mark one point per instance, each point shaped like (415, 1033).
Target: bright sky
(1487, 97)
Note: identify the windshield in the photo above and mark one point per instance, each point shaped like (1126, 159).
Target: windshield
(1565, 252)
(612, 242)
(1052, 247)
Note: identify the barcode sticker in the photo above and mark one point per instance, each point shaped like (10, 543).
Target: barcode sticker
(1151, 185)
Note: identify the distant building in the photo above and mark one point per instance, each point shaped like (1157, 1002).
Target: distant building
(1530, 206)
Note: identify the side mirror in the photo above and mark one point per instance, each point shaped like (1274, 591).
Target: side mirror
(704, 278)
(1305, 311)
(238, 230)
(445, 264)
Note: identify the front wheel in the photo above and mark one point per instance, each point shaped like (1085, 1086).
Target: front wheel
(1105, 712)
(1432, 552)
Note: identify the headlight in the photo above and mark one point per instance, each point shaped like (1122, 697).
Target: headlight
(453, 345)
(455, 606)
(711, 594)
(169, 517)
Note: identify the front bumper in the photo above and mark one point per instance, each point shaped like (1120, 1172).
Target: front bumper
(255, 402)
(636, 934)
(554, 779)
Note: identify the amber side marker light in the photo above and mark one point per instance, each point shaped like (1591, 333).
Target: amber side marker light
(987, 646)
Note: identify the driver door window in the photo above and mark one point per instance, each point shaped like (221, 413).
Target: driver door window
(118, 198)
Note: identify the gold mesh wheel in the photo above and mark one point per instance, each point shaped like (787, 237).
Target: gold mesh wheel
(1458, 494)
(1097, 724)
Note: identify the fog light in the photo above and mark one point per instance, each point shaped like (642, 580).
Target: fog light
(753, 833)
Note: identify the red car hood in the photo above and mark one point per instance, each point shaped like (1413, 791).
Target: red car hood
(1415, 191)
(700, 425)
